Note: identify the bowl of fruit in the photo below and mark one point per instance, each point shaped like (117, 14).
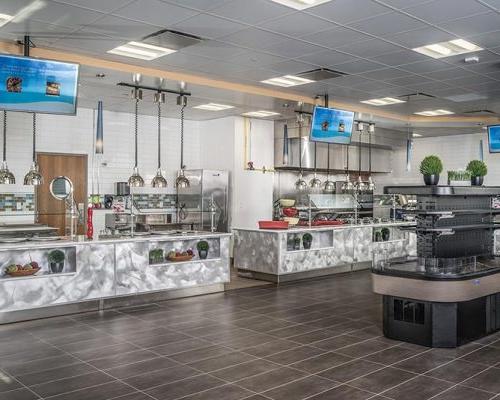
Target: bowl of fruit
(16, 270)
(177, 256)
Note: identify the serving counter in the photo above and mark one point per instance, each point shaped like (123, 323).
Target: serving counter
(279, 255)
(108, 273)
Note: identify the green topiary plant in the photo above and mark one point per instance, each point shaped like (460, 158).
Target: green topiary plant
(56, 256)
(477, 168)
(202, 245)
(307, 237)
(431, 165)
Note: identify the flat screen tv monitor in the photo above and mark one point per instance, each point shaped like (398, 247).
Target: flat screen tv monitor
(331, 125)
(38, 85)
(494, 138)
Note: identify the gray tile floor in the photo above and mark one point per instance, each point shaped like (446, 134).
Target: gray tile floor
(316, 340)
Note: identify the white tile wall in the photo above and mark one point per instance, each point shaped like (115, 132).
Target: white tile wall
(75, 134)
(455, 152)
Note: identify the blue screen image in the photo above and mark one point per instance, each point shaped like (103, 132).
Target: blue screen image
(37, 85)
(331, 125)
(494, 138)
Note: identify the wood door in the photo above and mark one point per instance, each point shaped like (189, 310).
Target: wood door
(50, 210)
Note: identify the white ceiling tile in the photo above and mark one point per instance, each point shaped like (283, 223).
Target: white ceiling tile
(120, 28)
(484, 68)
(254, 38)
(251, 12)
(420, 37)
(213, 49)
(445, 10)
(254, 59)
(486, 40)
(358, 67)
(484, 56)
(425, 66)
(388, 24)
(297, 24)
(179, 59)
(290, 67)
(98, 5)
(202, 5)
(336, 37)
(385, 74)
(370, 48)
(41, 31)
(14, 7)
(401, 4)
(344, 11)
(477, 24)
(66, 15)
(89, 42)
(208, 26)
(451, 73)
(400, 58)
(326, 58)
(255, 74)
(292, 48)
(155, 12)
(493, 3)
(409, 80)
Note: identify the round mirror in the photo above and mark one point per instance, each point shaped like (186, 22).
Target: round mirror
(61, 187)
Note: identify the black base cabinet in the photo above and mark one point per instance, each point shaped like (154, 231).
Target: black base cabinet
(440, 324)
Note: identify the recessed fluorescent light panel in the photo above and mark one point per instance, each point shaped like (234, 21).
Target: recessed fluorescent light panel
(5, 19)
(384, 101)
(434, 113)
(213, 107)
(142, 51)
(260, 114)
(301, 4)
(287, 81)
(448, 49)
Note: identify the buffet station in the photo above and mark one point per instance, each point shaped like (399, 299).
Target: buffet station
(448, 294)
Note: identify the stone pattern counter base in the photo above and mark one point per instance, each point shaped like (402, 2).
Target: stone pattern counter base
(270, 255)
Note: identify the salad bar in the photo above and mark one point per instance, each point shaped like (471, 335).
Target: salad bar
(46, 279)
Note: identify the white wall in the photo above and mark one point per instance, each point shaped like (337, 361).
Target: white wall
(222, 146)
(455, 152)
(75, 134)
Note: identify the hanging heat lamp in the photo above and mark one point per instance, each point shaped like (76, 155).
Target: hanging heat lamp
(347, 186)
(360, 185)
(300, 184)
(371, 131)
(159, 180)
(6, 177)
(315, 182)
(328, 185)
(33, 177)
(182, 181)
(135, 179)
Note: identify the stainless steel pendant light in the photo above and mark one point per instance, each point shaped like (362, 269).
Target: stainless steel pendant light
(360, 185)
(6, 177)
(159, 180)
(347, 186)
(182, 181)
(300, 184)
(315, 182)
(33, 177)
(328, 185)
(135, 179)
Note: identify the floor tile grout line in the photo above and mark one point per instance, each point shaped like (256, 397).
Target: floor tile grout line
(23, 386)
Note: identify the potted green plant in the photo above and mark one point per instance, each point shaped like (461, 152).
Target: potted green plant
(307, 240)
(430, 168)
(56, 261)
(296, 243)
(459, 178)
(202, 247)
(156, 256)
(385, 233)
(478, 171)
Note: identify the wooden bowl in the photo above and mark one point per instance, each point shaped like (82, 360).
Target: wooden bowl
(23, 272)
(180, 258)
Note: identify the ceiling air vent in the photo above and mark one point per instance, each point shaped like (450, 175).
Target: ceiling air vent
(172, 39)
(480, 112)
(320, 74)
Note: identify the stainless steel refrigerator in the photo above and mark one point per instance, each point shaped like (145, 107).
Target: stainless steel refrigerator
(205, 202)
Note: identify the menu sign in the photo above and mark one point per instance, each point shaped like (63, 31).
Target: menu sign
(494, 138)
(37, 85)
(331, 125)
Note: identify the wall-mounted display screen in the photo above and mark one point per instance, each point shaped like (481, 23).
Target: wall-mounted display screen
(331, 125)
(494, 138)
(37, 85)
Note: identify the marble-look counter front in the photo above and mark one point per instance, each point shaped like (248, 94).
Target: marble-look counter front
(106, 269)
(334, 249)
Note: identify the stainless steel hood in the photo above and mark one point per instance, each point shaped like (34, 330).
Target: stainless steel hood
(381, 153)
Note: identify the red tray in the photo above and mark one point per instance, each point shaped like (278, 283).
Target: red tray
(273, 224)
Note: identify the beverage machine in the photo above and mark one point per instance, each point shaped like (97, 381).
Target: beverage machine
(204, 205)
